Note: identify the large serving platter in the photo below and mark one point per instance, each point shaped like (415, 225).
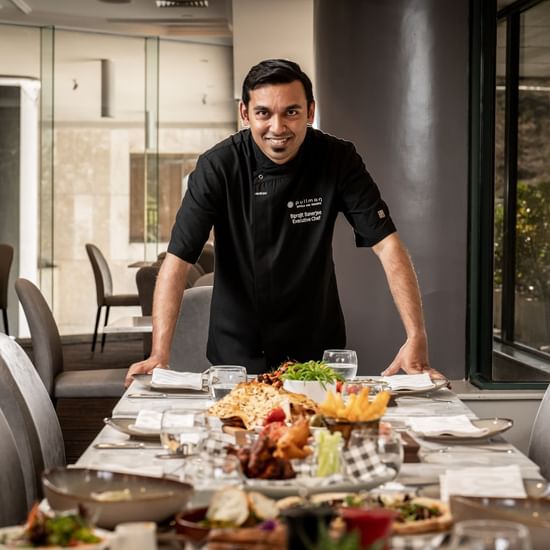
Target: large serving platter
(494, 426)
(146, 380)
(438, 384)
(275, 488)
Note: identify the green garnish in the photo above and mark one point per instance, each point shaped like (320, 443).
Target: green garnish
(311, 371)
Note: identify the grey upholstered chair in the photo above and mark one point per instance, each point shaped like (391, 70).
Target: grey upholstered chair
(104, 290)
(6, 258)
(188, 351)
(48, 353)
(205, 280)
(30, 415)
(194, 273)
(13, 502)
(539, 442)
(206, 259)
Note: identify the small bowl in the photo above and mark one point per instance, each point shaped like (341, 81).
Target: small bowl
(313, 389)
(345, 427)
(187, 525)
(151, 499)
(532, 512)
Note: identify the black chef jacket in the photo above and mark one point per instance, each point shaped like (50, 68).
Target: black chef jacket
(275, 295)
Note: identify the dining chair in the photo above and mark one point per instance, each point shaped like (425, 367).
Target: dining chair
(205, 280)
(13, 501)
(188, 352)
(31, 416)
(48, 353)
(6, 259)
(104, 290)
(206, 259)
(539, 442)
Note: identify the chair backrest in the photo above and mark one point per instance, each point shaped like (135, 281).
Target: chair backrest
(539, 442)
(205, 280)
(193, 274)
(206, 259)
(188, 351)
(46, 342)
(102, 273)
(6, 258)
(146, 277)
(13, 500)
(30, 414)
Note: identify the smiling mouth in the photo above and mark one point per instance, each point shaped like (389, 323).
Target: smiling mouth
(278, 142)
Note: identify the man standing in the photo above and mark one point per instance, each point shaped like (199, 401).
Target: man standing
(272, 192)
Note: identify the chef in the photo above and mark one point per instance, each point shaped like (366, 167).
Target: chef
(272, 193)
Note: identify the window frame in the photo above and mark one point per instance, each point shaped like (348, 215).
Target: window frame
(481, 350)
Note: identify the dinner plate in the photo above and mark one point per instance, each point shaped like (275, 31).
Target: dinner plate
(437, 385)
(146, 380)
(127, 426)
(7, 534)
(494, 426)
(534, 488)
(275, 488)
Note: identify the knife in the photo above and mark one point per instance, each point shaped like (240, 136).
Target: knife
(125, 445)
(167, 396)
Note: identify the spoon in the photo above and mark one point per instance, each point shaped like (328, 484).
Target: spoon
(454, 450)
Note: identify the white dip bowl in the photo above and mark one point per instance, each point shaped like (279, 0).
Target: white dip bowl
(313, 389)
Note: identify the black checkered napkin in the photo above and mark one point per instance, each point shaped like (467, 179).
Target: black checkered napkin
(362, 461)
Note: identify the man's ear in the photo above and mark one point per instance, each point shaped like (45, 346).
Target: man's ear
(243, 111)
(311, 112)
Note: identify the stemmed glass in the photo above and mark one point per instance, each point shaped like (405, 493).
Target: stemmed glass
(490, 535)
(181, 431)
(342, 361)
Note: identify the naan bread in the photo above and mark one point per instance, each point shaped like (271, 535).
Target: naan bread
(251, 402)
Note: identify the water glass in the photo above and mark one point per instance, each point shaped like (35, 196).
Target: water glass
(355, 386)
(182, 430)
(223, 378)
(477, 534)
(342, 362)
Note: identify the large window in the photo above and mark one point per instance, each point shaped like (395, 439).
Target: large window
(519, 209)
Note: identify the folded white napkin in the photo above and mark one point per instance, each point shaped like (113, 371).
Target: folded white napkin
(167, 377)
(483, 481)
(459, 425)
(148, 420)
(409, 381)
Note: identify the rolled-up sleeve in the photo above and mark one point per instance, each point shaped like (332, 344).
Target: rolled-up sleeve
(361, 203)
(197, 212)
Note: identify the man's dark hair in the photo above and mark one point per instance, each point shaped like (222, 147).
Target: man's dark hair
(275, 71)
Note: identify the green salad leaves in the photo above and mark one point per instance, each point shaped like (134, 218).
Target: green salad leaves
(311, 371)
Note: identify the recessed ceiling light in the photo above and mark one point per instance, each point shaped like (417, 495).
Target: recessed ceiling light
(182, 3)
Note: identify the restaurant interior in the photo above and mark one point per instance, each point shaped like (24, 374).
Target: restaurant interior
(106, 107)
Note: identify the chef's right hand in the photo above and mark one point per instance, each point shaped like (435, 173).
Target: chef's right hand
(144, 367)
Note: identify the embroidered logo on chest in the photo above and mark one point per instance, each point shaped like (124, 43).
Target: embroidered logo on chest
(305, 210)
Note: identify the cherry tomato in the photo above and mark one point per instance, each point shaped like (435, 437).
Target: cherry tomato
(275, 415)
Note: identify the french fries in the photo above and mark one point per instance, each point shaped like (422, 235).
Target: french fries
(358, 408)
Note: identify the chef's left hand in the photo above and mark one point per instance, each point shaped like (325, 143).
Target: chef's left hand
(412, 358)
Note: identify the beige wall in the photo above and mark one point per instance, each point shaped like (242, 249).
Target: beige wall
(272, 29)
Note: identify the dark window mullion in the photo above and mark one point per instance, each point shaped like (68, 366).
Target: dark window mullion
(511, 176)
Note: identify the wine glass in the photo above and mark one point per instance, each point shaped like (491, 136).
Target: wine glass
(342, 362)
(182, 430)
(223, 378)
(490, 535)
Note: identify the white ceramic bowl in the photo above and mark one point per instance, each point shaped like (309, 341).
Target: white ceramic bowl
(151, 499)
(313, 389)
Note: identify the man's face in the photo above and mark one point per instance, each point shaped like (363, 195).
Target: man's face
(277, 115)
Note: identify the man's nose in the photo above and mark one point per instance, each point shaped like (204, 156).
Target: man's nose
(277, 124)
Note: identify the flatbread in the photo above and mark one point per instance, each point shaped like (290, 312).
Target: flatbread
(252, 401)
(431, 525)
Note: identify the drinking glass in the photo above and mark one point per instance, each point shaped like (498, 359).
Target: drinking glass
(388, 447)
(223, 378)
(487, 534)
(342, 361)
(182, 430)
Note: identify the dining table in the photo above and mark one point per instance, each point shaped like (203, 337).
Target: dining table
(433, 458)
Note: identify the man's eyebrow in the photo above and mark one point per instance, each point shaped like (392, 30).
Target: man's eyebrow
(287, 108)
